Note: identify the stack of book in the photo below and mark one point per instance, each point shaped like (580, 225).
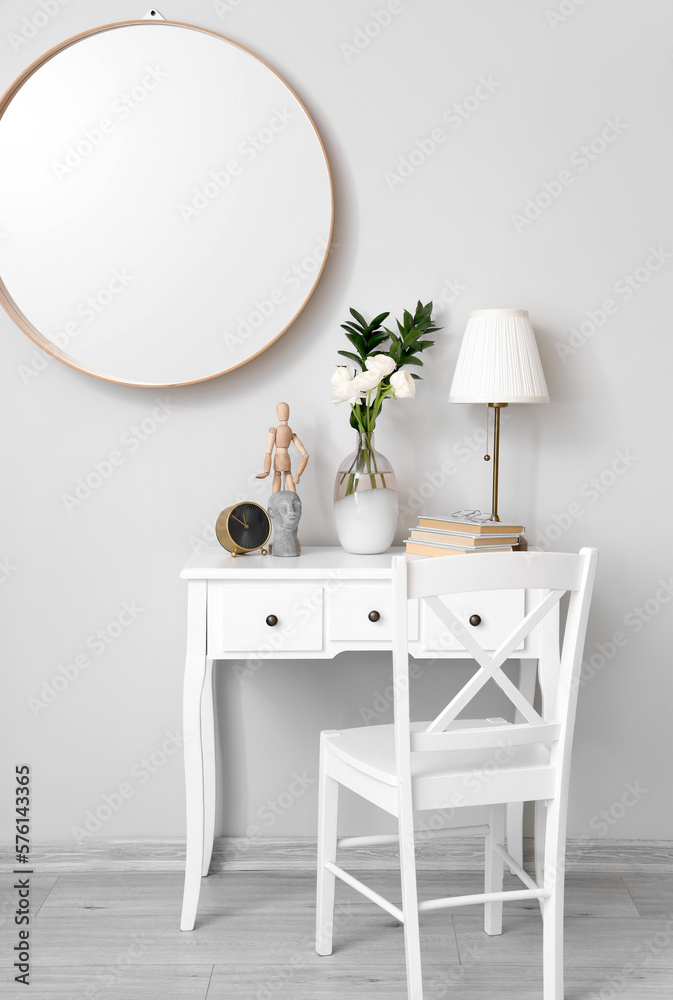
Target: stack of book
(452, 536)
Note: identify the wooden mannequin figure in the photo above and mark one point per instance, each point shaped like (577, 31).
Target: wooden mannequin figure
(282, 437)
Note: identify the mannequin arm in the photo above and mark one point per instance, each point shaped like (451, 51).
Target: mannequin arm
(271, 440)
(304, 457)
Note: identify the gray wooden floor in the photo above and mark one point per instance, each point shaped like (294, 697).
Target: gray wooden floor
(100, 936)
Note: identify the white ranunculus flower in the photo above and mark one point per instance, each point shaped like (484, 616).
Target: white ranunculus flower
(378, 366)
(344, 373)
(349, 392)
(403, 385)
(345, 386)
(368, 380)
(381, 364)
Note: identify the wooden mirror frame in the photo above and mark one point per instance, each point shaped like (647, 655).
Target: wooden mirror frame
(6, 299)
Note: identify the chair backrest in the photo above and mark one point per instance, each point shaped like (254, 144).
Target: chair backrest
(548, 575)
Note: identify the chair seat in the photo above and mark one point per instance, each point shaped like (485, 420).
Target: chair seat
(456, 777)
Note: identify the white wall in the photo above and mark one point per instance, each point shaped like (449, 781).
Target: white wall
(450, 222)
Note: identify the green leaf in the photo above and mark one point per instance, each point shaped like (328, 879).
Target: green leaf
(417, 377)
(352, 328)
(359, 317)
(351, 357)
(413, 361)
(358, 343)
(376, 322)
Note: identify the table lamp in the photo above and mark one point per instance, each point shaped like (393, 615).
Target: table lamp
(498, 364)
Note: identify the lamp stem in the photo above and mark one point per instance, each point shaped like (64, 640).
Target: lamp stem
(496, 458)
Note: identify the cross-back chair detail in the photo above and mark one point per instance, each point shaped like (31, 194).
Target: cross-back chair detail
(490, 668)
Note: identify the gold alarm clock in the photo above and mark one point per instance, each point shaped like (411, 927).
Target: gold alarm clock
(243, 527)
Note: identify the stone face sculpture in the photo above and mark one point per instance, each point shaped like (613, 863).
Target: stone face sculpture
(284, 509)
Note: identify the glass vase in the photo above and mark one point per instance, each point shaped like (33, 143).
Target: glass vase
(365, 499)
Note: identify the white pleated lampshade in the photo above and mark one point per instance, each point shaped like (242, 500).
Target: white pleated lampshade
(498, 360)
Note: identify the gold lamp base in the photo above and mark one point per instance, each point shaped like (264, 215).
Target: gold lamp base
(496, 458)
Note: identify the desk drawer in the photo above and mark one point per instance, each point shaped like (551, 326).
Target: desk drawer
(499, 612)
(248, 619)
(349, 606)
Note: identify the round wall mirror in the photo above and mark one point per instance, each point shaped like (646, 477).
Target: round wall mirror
(165, 203)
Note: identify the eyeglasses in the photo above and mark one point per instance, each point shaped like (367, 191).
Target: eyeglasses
(478, 516)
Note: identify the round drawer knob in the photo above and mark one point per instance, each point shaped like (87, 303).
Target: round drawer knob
(271, 620)
(474, 620)
(373, 616)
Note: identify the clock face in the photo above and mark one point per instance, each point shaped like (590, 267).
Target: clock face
(249, 525)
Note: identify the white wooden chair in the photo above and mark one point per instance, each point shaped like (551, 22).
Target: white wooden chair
(408, 767)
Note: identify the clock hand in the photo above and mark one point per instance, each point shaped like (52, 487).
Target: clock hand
(241, 522)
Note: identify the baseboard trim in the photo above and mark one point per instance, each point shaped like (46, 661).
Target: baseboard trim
(298, 854)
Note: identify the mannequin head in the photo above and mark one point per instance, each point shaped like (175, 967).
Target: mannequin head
(284, 509)
(283, 411)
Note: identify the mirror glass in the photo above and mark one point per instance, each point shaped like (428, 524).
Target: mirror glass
(165, 204)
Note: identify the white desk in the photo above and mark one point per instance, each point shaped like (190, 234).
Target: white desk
(322, 603)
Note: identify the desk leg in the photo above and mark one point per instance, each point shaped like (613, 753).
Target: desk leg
(195, 673)
(527, 678)
(209, 766)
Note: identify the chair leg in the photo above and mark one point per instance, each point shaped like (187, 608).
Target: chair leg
(515, 831)
(412, 935)
(552, 907)
(539, 838)
(328, 796)
(494, 868)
